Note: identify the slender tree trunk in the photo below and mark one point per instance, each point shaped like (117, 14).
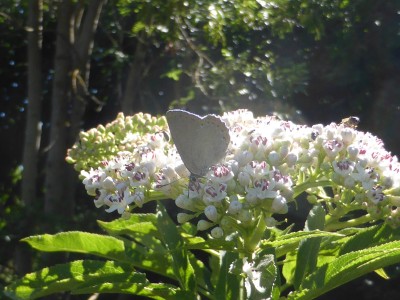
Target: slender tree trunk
(70, 90)
(83, 45)
(32, 126)
(56, 206)
(82, 50)
(132, 86)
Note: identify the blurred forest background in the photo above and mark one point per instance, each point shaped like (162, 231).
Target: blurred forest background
(70, 65)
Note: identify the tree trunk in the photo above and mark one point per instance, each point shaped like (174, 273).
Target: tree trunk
(70, 90)
(82, 50)
(83, 45)
(32, 127)
(56, 206)
(136, 74)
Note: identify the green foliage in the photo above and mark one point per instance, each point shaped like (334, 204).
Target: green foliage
(346, 268)
(152, 242)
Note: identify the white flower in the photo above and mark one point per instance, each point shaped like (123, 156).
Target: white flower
(184, 202)
(256, 169)
(183, 217)
(108, 183)
(217, 233)
(291, 159)
(204, 225)
(244, 158)
(279, 205)
(262, 189)
(99, 200)
(333, 147)
(234, 207)
(195, 188)
(92, 180)
(375, 194)
(274, 158)
(214, 193)
(220, 173)
(365, 175)
(348, 135)
(244, 178)
(211, 213)
(281, 181)
(353, 152)
(139, 177)
(118, 201)
(343, 167)
(157, 140)
(138, 197)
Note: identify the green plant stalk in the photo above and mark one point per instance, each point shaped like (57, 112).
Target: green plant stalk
(333, 224)
(252, 241)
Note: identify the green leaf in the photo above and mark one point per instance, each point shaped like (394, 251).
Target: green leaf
(196, 242)
(173, 74)
(142, 228)
(346, 268)
(80, 242)
(73, 276)
(289, 242)
(264, 278)
(307, 254)
(371, 236)
(181, 264)
(159, 262)
(138, 26)
(228, 284)
(147, 250)
(151, 290)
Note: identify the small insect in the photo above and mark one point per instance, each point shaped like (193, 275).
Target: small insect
(351, 122)
(314, 135)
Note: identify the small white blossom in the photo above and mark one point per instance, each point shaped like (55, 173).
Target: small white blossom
(221, 173)
(183, 217)
(343, 167)
(291, 159)
(211, 213)
(279, 205)
(204, 225)
(244, 158)
(244, 178)
(214, 193)
(118, 201)
(108, 183)
(274, 158)
(184, 202)
(217, 233)
(234, 207)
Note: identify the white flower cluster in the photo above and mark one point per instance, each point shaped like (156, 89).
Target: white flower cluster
(125, 179)
(268, 163)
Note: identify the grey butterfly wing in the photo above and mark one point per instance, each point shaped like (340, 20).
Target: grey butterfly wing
(200, 141)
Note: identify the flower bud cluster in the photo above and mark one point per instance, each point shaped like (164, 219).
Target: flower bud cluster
(105, 142)
(269, 162)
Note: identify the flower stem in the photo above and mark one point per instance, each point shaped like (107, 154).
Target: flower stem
(334, 225)
(252, 240)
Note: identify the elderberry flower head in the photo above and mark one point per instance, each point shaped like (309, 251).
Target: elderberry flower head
(269, 162)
